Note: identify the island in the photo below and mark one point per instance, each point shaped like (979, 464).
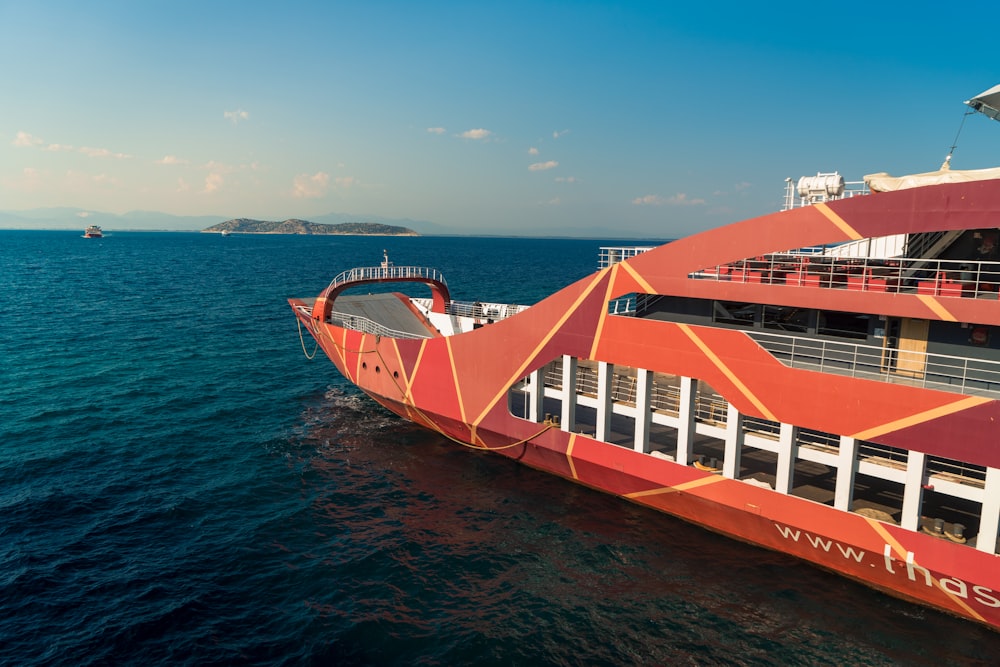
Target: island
(294, 226)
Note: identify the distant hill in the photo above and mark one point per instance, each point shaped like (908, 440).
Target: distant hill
(294, 226)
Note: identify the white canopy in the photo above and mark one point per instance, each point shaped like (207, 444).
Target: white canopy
(883, 182)
(987, 102)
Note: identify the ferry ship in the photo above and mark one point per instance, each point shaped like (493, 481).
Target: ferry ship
(823, 381)
(93, 232)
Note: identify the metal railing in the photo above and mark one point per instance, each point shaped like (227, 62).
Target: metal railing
(388, 272)
(934, 371)
(935, 277)
(712, 408)
(365, 325)
(482, 310)
(796, 199)
(623, 306)
(610, 255)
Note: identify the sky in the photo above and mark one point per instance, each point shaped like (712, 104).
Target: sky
(651, 119)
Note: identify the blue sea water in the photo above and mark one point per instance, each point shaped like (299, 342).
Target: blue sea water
(179, 485)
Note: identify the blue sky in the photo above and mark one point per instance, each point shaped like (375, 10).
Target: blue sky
(511, 117)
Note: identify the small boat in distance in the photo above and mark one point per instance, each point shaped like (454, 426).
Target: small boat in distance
(93, 232)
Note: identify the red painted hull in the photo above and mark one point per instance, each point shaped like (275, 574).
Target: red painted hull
(458, 385)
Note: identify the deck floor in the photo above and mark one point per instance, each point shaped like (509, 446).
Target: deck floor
(386, 309)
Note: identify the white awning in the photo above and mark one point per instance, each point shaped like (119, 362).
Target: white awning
(883, 182)
(987, 102)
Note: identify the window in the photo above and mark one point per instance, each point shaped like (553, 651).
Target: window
(730, 312)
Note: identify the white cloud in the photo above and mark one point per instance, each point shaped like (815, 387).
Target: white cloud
(436, 130)
(171, 159)
(102, 152)
(58, 147)
(236, 116)
(679, 199)
(212, 183)
(476, 134)
(566, 179)
(83, 214)
(648, 200)
(25, 139)
(542, 166)
(310, 187)
(559, 133)
(532, 151)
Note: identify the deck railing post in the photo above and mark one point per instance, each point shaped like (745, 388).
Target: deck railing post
(734, 442)
(990, 516)
(847, 468)
(788, 451)
(687, 414)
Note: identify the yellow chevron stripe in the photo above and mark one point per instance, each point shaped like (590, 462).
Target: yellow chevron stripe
(519, 373)
(639, 279)
(838, 221)
(416, 366)
(454, 378)
(604, 312)
(721, 365)
(901, 552)
(936, 306)
(339, 349)
(361, 346)
(921, 417)
(686, 486)
(569, 454)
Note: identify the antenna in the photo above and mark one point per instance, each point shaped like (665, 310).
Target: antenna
(947, 160)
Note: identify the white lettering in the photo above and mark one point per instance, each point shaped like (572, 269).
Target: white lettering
(985, 596)
(819, 542)
(849, 552)
(957, 587)
(888, 559)
(787, 532)
(911, 566)
(963, 589)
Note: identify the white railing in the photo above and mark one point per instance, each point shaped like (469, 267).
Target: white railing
(622, 306)
(610, 256)
(797, 199)
(365, 325)
(935, 277)
(934, 371)
(388, 272)
(481, 310)
(712, 408)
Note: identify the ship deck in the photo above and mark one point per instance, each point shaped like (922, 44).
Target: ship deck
(387, 310)
(813, 481)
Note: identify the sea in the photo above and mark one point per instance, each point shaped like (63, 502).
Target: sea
(181, 485)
